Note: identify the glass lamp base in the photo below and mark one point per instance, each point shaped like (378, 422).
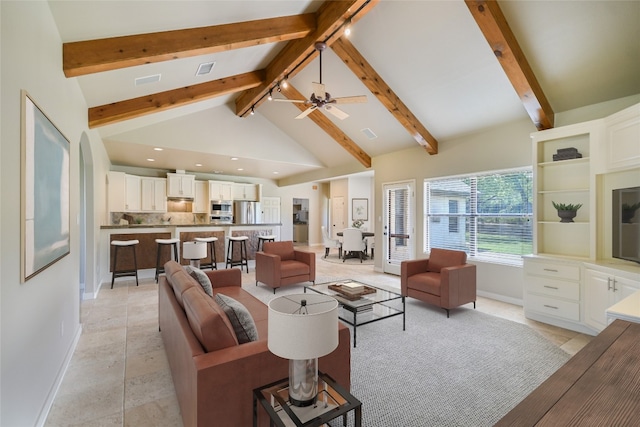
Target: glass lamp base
(303, 382)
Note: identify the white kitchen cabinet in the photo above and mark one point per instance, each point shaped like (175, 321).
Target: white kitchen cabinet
(245, 192)
(603, 288)
(132, 193)
(154, 194)
(220, 190)
(201, 197)
(180, 185)
(116, 191)
(623, 139)
(552, 291)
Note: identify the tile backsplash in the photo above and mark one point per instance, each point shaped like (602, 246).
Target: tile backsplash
(172, 218)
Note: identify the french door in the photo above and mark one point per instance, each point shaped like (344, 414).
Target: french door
(398, 229)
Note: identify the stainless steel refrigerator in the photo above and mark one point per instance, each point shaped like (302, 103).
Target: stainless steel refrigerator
(246, 212)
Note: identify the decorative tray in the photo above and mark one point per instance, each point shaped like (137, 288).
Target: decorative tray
(350, 295)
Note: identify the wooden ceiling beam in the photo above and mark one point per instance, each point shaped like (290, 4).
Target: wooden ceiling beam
(504, 44)
(372, 80)
(93, 56)
(330, 18)
(136, 107)
(327, 125)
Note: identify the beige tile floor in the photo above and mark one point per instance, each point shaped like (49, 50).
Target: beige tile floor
(119, 373)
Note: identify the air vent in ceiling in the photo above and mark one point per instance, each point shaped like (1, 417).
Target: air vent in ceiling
(369, 133)
(146, 80)
(205, 68)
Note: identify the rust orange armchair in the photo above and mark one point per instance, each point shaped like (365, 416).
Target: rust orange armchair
(444, 279)
(279, 264)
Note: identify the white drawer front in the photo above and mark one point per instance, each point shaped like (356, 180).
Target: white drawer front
(553, 288)
(553, 307)
(558, 271)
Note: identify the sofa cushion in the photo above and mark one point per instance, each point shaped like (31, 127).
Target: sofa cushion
(180, 281)
(283, 249)
(201, 277)
(208, 321)
(293, 268)
(240, 318)
(441, 258)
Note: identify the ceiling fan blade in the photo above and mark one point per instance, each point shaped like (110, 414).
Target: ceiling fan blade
(351, 99)
(336, 112)
(306, 112)
(318, 90)
(299, 101)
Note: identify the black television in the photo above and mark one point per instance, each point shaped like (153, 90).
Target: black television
(626, 224)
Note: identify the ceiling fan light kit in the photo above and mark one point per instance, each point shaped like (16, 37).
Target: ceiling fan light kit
(320, 98)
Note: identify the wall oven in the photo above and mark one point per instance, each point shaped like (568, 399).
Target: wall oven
(221, 212)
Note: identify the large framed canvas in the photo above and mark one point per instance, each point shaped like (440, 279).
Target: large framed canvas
(44, 191)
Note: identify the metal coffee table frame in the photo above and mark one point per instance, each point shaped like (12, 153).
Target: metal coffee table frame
(370, 304)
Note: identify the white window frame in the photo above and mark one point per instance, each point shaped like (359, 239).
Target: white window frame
(496, 258)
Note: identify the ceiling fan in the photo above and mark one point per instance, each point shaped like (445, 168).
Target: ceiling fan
(322, 99)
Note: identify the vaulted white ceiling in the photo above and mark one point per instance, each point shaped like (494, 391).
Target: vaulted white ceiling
(431, 53)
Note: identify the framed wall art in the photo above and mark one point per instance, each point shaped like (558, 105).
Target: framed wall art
(360, 209)
(44, 184)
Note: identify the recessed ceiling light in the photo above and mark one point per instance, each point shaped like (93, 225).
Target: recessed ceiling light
(198, 164)
(234, 158)
(240, 169)
(146, 80)
(205, 68)
(158, 149)
(276, 172)
(151, 160)
(217, 171)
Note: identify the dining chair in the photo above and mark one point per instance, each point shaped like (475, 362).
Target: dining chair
(352, 242)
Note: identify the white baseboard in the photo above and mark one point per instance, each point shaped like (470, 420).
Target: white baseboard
(499, 297)
(44, 413)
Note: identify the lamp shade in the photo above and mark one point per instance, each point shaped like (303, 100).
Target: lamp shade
(303, 326)
(194, 250)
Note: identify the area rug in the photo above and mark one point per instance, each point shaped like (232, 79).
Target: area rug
(466, 370)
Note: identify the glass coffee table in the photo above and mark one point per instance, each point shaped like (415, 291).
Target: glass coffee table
(358, 308)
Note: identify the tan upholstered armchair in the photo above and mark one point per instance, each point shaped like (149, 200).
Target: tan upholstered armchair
(279, 264)
(444, 279)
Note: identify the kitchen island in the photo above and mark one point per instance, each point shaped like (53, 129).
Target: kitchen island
(148, 233)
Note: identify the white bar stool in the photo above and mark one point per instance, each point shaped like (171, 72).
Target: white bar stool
(241, 241)
(127, 272)
(265, 238)
(173, 245)
(211, 243)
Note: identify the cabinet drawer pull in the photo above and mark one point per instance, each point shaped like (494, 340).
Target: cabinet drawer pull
(551, 270)
(551, 287)
(550, 306)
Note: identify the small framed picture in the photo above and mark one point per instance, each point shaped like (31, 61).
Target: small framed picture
(360, 209)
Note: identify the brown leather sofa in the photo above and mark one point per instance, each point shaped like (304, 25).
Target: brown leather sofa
(279, 264)
(213, 375)
(444, 279)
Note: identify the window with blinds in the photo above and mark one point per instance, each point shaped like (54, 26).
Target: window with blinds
(489, 215)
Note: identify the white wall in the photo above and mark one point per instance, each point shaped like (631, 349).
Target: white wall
(508, 146)
(39, 318)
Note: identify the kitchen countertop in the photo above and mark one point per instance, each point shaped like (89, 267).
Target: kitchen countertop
(627, 309)
(130, 226)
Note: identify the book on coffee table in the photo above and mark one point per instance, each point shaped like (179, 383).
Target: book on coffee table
(352, 288)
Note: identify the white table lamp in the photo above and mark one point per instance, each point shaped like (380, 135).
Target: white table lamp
(303, 327)
(194, 252)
